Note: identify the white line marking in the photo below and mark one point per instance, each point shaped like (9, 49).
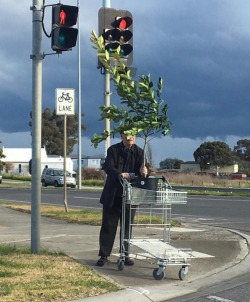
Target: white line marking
(215, 298)
(81, 197)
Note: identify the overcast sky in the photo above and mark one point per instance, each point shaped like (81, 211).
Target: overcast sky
(201, 49)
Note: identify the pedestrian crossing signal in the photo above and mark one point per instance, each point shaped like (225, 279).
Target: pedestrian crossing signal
(64, 35)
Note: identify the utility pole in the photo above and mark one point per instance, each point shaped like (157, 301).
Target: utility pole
(107, 92)
(79, 105)
(37, 58)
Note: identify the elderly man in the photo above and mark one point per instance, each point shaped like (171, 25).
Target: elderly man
(122, 159)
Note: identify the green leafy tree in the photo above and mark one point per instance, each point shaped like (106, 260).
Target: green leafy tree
(242, 149)
(241, 154)
(216, 154)
(171, 163)
(143, 113)
(1, 156)
(53, 132)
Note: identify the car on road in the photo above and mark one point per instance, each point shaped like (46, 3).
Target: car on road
(55, 177)
(1, 178)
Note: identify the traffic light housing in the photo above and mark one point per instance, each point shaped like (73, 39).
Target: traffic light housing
(116, 27)
(64, 35)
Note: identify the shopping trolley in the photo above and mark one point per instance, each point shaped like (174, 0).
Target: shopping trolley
(150, 207)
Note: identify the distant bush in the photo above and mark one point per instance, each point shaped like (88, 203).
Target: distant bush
(192, 179)
(93, 182)
(17, 177)
(92, 173)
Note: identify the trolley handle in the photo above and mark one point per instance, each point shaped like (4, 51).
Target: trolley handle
(133, 178)
(122, 180)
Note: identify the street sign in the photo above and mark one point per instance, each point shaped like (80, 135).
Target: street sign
(65, 101)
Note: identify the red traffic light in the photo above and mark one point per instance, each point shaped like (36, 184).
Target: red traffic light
(64, 15)
(123, 22)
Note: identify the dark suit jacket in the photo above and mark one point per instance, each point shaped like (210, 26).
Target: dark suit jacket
(117, 162)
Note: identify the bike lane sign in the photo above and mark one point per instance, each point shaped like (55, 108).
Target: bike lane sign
(65, 101)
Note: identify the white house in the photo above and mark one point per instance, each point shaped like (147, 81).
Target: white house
(17, 160)
(88, 161)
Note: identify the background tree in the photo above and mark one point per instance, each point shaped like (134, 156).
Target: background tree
(241, 153)
(9, 166)
(1, 156)
(216, 154)
(53, 132)
(171, 163)
(242, 149)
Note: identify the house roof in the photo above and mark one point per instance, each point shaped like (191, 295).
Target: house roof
(20, 154)
(98, 156)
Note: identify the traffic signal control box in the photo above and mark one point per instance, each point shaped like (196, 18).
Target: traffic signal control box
(116, 27)
(64, 35)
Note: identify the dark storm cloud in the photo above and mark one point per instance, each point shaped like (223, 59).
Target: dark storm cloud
(14, 114)
(202, 51)
(200, 48)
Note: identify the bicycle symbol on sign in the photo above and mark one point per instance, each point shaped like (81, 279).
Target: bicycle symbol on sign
(65, 97)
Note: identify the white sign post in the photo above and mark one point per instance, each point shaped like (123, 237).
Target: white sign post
(65, 101)
(65, 105)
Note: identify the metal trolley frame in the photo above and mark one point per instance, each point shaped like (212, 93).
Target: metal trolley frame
(147, 209)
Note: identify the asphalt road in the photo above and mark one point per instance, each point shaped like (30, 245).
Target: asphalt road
(234, 290)
(75, 198)
(223, 211)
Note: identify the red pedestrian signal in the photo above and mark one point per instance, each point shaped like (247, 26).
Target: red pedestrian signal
(116, 27)
(62, 17)
(64, 35)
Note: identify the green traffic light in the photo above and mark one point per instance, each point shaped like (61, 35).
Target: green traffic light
(64, 38)
(61, 40)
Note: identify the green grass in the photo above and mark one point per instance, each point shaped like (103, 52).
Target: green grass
(90, 217)
(25, 277)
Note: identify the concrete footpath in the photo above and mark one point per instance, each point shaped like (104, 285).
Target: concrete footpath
(218, 254)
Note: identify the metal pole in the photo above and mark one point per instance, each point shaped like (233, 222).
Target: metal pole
(37, 58)
(107, 3)
(64, 163)
(79, 105)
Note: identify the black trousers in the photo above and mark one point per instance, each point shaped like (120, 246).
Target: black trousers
(110, 219)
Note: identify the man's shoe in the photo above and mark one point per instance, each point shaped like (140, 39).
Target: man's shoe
(129, 261)
(102, 261)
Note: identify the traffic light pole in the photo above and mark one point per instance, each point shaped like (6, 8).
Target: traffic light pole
(107, 3)
(37, 58)
(79, 105)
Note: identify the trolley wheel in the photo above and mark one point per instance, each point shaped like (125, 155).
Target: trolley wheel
(158, 274)
(120, 264)
(183, 272)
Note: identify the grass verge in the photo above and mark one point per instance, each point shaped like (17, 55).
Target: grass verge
(90, 217)
(25, 277)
